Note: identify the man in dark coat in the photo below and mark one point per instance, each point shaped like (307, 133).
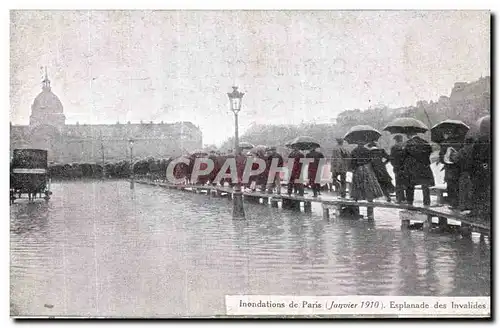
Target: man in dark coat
(180, 170)
(221, 159)
(416, 168)
(296, 187)
(261, 179)
(313, 169)
(202, 179)
(339, 167)
(241, 161)
(476, 160)
(190, 168)
(461, 158)
(396, 158)
(213, 174)
(275, 180)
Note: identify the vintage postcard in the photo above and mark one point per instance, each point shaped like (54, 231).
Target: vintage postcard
(250, 163)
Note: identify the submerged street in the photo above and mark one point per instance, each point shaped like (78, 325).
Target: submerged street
(101, 249)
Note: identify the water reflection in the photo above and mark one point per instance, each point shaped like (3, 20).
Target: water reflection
(31, 217)
(100, 248)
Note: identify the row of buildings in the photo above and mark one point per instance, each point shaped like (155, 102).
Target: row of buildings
(86, 143)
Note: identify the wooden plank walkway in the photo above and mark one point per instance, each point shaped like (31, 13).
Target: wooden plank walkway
(331, 203)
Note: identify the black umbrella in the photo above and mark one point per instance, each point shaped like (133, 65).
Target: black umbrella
(245, 145)
(198, 153)
(406, 125)
(455, 128)
(258, 150)
(362, 134)
(303, 143)
(481, 128)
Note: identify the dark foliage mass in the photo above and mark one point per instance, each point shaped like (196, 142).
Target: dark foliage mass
(117, 170)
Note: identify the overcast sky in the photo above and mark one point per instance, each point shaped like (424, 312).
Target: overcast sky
(294, 66)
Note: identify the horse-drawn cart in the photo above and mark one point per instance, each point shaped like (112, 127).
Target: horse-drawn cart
(29, 174)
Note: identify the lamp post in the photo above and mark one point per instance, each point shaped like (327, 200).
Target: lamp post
(102, 152)
(132, 176)
(235, 99)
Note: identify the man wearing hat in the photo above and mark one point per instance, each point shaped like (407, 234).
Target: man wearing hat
(339, 167)
(396, 159)
(416, 167)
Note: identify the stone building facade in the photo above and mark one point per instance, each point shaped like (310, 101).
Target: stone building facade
(84, 143)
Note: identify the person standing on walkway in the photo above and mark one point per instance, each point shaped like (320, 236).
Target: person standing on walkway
(276, 179)
(296, 187)
(252, 180)
(213, 174)
(339, 167)
(261, 180)
(416, 168)
(364, 182)
(451, 170)
(461, 158)
(313, 169)
(241, 161)
(379, 160)
(475, 159)
(397, 166)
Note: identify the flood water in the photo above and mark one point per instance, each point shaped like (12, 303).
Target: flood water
(102, 249)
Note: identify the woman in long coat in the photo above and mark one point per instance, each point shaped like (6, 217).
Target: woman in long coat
(364, 182)
(379, 161)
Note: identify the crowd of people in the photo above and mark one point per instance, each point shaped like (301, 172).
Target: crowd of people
(467, 171)
(466, 163)
(467, 175)
(117, 170)
(266, 181)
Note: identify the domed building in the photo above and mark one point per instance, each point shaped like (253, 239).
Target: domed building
(47, 107)
(82, 143)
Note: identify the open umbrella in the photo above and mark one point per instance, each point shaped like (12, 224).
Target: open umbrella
(362, 134)
(406, 125)
(453, 127)
(246, 145)
(289, 143)
(258, 150)
(480, 129)
(303, 143)
(198, 153)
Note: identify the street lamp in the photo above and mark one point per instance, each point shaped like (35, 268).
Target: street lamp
(235, 99)
(131, 145)
(103, 164)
